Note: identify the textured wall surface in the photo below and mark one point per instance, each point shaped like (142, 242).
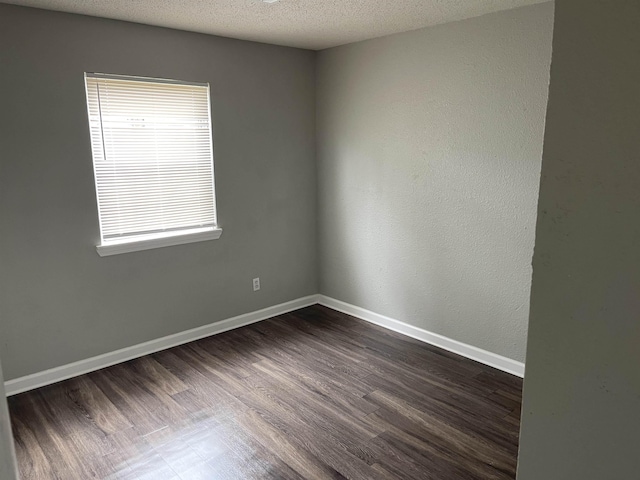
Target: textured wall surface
(7, 455)
(429, 150)
(581, 411)
(59, 301)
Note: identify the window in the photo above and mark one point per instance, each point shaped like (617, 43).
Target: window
(153, 162)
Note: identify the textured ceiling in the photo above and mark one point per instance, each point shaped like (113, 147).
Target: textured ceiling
(314, 24)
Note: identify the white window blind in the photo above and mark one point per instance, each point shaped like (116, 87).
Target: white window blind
(152, 155)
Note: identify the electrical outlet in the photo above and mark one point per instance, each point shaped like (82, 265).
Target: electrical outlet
(256, 284)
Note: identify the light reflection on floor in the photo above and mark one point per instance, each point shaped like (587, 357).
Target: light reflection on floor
(211, 450)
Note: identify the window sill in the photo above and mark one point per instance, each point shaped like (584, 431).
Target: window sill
(148, 242)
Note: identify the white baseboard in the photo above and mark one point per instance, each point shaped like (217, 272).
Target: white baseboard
(474, 353)
(74, 369)
(57, 374)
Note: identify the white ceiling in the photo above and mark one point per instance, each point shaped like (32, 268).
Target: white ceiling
(314, 24)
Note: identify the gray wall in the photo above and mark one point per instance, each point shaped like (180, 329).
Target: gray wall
(429, 151)
(581, 412)
(7, 454)
(59, 301)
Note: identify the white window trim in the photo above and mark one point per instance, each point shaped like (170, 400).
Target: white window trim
(158, 240)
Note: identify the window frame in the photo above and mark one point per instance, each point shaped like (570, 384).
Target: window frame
(146, 241)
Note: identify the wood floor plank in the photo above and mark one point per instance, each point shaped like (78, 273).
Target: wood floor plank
(159, 379)
(50, 435)
(250, 458)
(316, 411)
(310, 394)
(294, 455)
(96, 405)
(145, 410)
(310, 431)
(34, 464)
(481, 417)
(391, 344)
(202, 390)
(298, 346)
(236, 360)
(446, 456)
(210, 367)
(459, 439)
(349, 381)
(332, 320)
(352, 405)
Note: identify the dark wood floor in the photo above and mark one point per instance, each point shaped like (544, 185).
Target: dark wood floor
(310, 394)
